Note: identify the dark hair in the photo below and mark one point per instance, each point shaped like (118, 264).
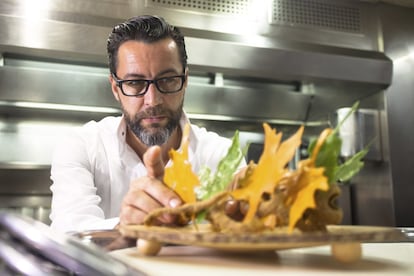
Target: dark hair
(144, 28)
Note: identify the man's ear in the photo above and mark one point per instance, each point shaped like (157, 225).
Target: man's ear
(114, 87)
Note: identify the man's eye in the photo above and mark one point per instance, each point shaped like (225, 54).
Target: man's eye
(169, 80)
(135, 83)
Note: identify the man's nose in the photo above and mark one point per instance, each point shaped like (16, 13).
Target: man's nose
(153, 97)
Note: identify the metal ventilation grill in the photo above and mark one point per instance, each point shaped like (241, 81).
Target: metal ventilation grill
(318, 14)
(222, 7)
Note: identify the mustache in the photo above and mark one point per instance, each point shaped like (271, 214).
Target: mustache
(152, 111)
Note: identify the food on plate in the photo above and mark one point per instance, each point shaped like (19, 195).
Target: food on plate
(272, 194)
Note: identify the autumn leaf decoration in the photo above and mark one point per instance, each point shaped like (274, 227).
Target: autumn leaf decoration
(179, 176)
(300, 185)
(269, 170)
(311, 178)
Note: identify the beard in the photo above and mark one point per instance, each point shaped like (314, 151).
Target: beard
(155, 133)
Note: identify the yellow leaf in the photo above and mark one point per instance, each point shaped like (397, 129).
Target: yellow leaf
(319, 143)
(311, 179)
(180, 176)
(269, 169)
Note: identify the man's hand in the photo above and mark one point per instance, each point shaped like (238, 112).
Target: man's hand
(149, 192)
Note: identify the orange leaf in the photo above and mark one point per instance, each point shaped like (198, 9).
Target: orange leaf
(180, 176)
(319, 143)
(269, 169)
(311, 179)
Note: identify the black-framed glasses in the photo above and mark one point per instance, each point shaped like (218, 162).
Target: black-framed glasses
(138, 87)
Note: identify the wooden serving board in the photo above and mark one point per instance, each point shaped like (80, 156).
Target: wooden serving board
(277, 239)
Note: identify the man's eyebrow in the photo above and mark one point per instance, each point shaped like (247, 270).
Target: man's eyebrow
(167, 71)
(131, 76)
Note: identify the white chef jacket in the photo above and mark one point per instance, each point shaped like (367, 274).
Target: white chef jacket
(93, 167)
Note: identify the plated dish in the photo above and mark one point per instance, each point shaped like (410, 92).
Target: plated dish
(277, 239)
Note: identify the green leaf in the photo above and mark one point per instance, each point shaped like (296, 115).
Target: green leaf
(351, 167)
(228, 165)
(201, 216)
(328, 156)
(206, 179)
(212, 184)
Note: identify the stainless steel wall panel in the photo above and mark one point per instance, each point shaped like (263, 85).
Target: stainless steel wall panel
(319, 14)
(51, 86)
(202, 99)
(332, 94)
(262, 104)
(398, 25)
(250, 104)
(383, 191)
(259, 20)
(53, 39)
(93, 11)
(29, 142)
(257, 56)
(372, 196)
(24, 189)
(14, 180)
(290, 63)
(68, 41)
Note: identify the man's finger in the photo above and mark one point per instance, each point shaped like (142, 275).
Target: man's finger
(153, 162)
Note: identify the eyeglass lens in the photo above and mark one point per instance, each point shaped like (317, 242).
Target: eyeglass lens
(164, 85)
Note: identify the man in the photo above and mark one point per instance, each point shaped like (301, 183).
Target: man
(111, 171)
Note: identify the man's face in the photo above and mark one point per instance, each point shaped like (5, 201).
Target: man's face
(153, 116)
